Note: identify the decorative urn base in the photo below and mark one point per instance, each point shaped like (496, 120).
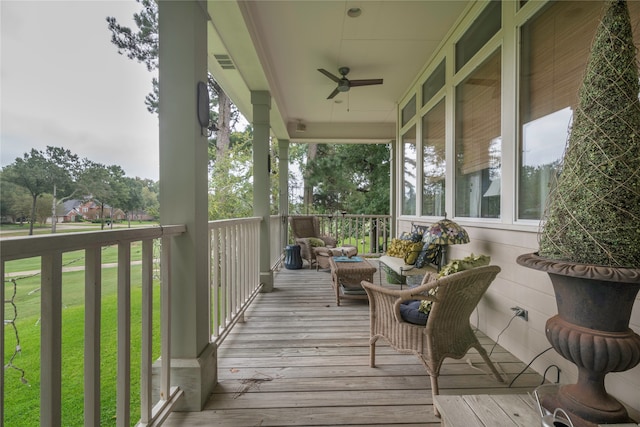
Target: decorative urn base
(592, 331)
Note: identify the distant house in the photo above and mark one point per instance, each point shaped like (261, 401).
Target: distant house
(90, 210)
(69, 211)
(74, 210)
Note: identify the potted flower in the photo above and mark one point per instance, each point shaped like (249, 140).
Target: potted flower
(590, 240)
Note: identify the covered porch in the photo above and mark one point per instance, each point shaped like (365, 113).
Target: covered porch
(297, 359)
(274, 349)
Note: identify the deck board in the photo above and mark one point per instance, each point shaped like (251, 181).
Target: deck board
(300, 360)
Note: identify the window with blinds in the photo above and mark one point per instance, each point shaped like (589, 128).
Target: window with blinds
(433, 164)
(478, 142)
(555, 46)
(409, 176)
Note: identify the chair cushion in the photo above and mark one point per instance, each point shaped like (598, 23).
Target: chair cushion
(410, 312)
(315, 242)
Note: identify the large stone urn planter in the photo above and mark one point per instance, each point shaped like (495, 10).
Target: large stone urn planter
(592, 331)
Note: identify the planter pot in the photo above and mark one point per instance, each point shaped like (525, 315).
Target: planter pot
(592, 331)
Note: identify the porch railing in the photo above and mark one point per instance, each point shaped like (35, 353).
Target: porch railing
(369, 233)
(50, 250)
(234, 271)
(234, 280)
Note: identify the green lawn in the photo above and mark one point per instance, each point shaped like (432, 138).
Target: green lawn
(22, 400)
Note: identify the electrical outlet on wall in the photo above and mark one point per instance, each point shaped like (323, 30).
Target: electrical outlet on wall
(521, 312)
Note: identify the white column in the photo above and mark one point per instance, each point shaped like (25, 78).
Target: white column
(183, 196)
(261, 101)
(283, 153)
(394, 172)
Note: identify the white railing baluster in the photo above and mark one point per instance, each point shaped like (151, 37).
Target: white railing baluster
(228, 256)
(51, 340)
(92, 315)
(123, 399)
(165, 319)
(215, 279)
(146, 347)
(235, 273)
(2, 296)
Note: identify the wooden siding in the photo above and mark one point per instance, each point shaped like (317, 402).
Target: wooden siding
(299, 360)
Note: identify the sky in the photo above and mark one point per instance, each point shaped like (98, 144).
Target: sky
(63, 84)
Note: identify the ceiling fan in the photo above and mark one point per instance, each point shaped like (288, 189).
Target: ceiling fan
(345, 84)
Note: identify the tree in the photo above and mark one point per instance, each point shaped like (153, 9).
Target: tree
(231, 178)
(105, 185)
(40, 172)
(64, 171)
(142, 46)
(361, 186)
(9, 194)
(15, 201)
(43, 208)
(132, 196)
(150, 202)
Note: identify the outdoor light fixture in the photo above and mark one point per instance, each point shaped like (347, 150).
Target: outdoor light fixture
(354, 12)
(203, 105)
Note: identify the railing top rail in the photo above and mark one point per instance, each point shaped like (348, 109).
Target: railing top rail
(27, 247)
(221, 223)
(339, 215)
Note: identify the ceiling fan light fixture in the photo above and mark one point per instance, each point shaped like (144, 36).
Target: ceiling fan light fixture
(354, 12)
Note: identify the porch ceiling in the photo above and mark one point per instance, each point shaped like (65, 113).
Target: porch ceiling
(278, 46)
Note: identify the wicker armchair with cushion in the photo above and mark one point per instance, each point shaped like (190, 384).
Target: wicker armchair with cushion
(306, 233)
(447, 332)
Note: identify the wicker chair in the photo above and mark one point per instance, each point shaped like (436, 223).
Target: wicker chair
(447, 332)
(304, 227)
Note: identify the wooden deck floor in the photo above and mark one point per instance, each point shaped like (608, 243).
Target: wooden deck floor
(300, 360)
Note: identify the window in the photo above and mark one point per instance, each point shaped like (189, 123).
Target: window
(434, 83)
(555, 48)
(478, 142)
(409, 110)
(483, 28)
(433, 165)
(409, 172)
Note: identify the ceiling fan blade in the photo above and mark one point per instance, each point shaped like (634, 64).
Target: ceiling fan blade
(328, 74)
(365, 82)
(334, 93)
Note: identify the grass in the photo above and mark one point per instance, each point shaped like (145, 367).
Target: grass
(22, 401)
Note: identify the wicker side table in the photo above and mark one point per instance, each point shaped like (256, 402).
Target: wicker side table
(346, 278)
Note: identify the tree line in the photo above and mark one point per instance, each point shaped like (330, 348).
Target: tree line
(36, 184)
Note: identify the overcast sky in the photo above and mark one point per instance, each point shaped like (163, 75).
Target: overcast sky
(63, 84)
